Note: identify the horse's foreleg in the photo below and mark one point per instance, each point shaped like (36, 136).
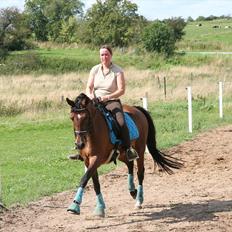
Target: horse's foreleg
(100, 206)
(75, 206)
(139, 197)
(131, 185)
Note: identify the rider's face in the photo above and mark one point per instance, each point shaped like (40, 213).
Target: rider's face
(105, 56)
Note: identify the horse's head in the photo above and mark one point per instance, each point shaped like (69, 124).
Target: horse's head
(80, 115)
(80, 102)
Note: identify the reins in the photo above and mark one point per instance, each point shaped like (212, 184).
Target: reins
(100, 108)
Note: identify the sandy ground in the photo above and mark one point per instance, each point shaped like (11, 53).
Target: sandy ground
(196, 198)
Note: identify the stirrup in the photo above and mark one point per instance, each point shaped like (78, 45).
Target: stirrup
(75, 157)
(131, 154)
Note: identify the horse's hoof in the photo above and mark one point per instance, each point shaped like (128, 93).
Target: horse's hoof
(99, 212)
(133, 194)
(138, 205)
(74, 208)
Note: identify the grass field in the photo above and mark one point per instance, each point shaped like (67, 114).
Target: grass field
(206, 37)
(33, 159)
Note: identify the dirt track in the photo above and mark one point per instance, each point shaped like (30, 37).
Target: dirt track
(196, 198)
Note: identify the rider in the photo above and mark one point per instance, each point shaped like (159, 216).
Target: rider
(107, 83)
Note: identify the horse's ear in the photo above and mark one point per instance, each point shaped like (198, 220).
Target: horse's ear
(70, 102)
(83, 99)
(87, 100)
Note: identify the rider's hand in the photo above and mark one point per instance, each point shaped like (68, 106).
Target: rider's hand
(96, 100)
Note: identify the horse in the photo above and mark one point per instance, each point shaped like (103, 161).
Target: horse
(93, 142)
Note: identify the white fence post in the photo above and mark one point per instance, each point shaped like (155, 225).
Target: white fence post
(144, 99)
(220, 99)
(189, 90)
(145, 106)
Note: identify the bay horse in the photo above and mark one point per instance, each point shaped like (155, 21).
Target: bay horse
(93, 142)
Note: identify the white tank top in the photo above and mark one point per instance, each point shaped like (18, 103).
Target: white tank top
(105, 84)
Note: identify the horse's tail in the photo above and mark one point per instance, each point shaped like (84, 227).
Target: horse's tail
(164, 161)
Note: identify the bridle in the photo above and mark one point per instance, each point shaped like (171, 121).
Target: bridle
(77, 111)
(85, 131)
(80, 132)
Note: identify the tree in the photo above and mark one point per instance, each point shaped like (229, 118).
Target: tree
(211, 17)
(159, 37)
(190, 19)
(112, 21)
(177, 24)
(200, 18)
(68, 31)
(37, 19)
(14, 31)
(49, 17)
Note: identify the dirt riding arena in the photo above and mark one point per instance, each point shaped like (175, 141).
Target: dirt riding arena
(196, 198)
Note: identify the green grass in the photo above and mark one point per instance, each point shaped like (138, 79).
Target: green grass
(206, 37)
(60, 61)
(33, 160)
(171, 119)
(33, 154)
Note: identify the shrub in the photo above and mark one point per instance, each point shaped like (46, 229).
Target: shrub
(11, 110)
(159, 37)
(3, 53)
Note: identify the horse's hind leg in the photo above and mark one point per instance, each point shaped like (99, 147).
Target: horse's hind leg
(100, 206)
(140, 174)
(131, 185)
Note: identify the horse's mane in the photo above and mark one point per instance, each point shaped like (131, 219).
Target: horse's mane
(82, 101)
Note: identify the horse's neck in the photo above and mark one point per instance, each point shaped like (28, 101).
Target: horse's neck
(99, 127)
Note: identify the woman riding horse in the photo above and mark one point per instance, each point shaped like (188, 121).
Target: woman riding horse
(106, 83)
(93, 140)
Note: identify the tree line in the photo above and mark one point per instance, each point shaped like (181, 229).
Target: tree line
(63, 21)
(208, 18)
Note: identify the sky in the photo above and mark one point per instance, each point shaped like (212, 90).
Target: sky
(162, 9)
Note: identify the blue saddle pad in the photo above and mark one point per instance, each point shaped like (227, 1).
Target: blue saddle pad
(133, 130)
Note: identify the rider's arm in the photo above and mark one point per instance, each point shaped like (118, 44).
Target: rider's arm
(90, 85)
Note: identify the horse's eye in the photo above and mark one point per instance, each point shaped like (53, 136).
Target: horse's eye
(72, 117)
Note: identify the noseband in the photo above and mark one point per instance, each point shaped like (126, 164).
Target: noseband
(80, 132)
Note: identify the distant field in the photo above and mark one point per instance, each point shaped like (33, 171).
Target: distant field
(57, 59)
(213, 35)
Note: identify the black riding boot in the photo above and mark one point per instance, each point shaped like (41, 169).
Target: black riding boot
(131, 153)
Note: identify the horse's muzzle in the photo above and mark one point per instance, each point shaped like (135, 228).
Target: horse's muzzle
(80, 145)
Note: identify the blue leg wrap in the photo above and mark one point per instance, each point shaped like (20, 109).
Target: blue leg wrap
(100, 208)
(139, 196)
(75, 206)
(100, 201)
(79, 195)
(131, 185)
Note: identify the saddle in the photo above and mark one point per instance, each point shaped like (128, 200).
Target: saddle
(114, 128)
